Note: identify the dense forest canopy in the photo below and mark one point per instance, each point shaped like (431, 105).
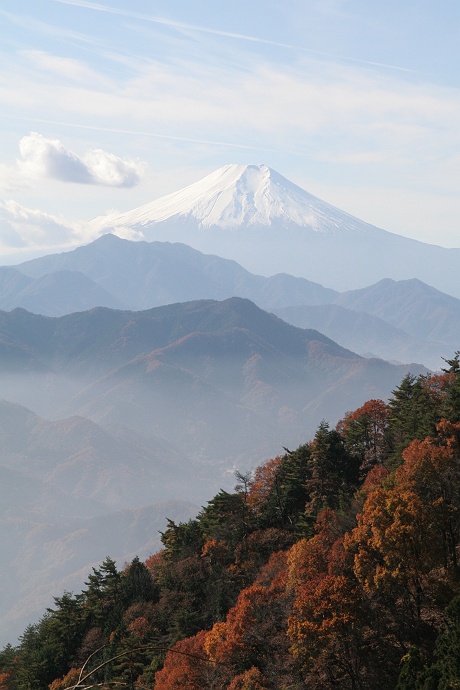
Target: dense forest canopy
(335, 565)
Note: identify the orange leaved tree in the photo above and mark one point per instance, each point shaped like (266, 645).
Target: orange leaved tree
(186, 666)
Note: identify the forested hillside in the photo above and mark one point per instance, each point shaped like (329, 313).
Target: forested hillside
(335, 565)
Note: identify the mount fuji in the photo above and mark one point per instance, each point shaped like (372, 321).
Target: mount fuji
(236, 196)
(254, 215)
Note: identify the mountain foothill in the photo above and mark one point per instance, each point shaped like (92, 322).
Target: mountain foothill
(136, 376)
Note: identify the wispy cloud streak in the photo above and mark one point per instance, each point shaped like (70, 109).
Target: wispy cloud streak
(155, 135)
(225, 34)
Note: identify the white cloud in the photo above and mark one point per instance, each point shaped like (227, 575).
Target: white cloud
(108, 169)
(310, 108)
(11, 179)
(31, 228)
(25, 229)
(41, 157)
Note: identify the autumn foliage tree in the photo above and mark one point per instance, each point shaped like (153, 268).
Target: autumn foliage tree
(330, 566)
(253, 679)
(329, 615)
(186, 666)
(366, 433)
(406, 540)
(253, 634)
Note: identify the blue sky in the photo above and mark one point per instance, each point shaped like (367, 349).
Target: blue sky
(111, 104)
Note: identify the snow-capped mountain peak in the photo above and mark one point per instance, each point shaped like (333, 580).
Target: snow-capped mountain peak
(255, 216)
(236, 196)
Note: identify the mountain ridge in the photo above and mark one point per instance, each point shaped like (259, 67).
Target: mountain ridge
(275, 226)
(150, 270)
(118, 365)
(159, 273)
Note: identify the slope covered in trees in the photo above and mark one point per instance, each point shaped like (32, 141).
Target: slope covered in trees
(334, 565)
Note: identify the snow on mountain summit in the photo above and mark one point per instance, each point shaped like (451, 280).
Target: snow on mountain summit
(235, 196)
(253, 215)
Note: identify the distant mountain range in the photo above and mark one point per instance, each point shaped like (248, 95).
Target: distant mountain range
(89, 469)
(45, 553)
(141, 275)
(252, 214)
(152, 412)
(222, 379)
(405, 321)
(402, 321)
(212, 384)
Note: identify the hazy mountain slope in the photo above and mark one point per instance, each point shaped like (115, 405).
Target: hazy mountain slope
(59, 293)
(22, 495)
(219, 377)
(71, 492)
(75, 344)
(232, 396)
(365, 334)
(420, 310)
(101, 337)
(217, 394)
(53, 293)
(161, 272)
(229, 380)
(17, 357)
(270, 225)
(85, 462)
(45, 554)
(12, 282)
(145, 275)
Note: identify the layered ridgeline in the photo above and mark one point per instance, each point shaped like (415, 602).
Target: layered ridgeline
(252, 214)
(148, 407)
(405, 321)
(219, 381)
